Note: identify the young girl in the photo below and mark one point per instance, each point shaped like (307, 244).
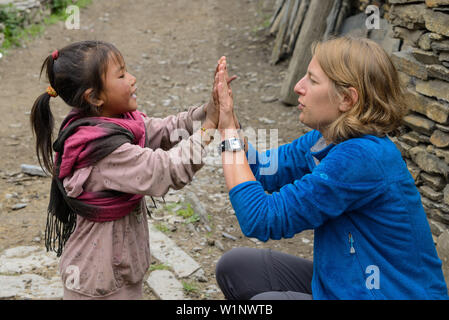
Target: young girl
(108, 157)
(345, 179)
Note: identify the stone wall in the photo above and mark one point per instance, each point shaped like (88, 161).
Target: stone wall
(423, 62)
(28, 12)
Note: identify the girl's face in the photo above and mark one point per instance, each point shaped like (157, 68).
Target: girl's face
(119, 94)
(314, 90)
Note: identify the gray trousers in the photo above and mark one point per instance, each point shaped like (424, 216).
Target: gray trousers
(264, 274)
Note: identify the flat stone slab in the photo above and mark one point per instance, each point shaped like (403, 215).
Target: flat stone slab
(24, 259)
(16, 280)
(165, 285)
(166, 251)
(30, 286)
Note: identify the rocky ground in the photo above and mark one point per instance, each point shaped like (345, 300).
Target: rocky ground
(171, 47)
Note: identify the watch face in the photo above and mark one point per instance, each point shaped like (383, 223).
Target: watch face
(232, 144)
(235, 143)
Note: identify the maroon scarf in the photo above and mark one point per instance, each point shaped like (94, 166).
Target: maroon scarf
(83, 141)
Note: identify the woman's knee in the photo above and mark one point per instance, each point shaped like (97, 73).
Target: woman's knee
(229, 260)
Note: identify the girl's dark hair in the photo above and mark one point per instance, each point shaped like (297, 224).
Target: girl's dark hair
(78, 67)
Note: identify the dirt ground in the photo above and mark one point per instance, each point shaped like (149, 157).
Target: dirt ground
(172, 47)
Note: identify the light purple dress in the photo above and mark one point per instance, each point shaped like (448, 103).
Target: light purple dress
(108, 260)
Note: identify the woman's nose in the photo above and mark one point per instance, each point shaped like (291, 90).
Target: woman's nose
(299, 87)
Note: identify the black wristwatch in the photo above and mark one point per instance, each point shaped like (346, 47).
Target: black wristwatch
(232, 144)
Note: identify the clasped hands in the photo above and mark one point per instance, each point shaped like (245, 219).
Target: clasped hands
(220, 109)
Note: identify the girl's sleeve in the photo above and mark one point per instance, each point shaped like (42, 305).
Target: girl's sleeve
(166, 132)
(341, 182)
(136, 170)
(277, 167)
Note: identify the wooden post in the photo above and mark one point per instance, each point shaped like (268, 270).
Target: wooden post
(313, 29)
(297, 24)
(277, 21)
(279, 5)
(283, 28)
(332, 19)
(342, 15)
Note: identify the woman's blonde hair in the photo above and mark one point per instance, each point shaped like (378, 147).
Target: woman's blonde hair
(362, 64)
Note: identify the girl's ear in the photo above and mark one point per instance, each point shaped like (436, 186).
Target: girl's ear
(90, 97)
(349, 100)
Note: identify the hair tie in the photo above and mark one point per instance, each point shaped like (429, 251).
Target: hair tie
(51, 92)
(55, 54)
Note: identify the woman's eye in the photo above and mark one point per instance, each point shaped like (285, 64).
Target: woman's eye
(122, 76)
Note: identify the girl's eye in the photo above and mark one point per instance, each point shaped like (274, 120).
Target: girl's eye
(122, 76)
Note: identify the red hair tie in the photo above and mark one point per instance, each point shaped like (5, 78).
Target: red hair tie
(55, 54)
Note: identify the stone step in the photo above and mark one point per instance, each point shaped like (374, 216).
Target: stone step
(16, 264)
(30, 286)
(15, 280)
(165, 285)
(25, 259)
(166, 251)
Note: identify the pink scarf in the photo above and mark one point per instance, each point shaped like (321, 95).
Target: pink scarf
(83, 141)
(86, 141)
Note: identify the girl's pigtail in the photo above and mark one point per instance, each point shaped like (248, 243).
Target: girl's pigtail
(42, 122)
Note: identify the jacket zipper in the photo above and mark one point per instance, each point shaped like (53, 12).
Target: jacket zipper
(351, 243)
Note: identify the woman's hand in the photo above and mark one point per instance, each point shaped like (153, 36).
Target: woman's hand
(236, 169)
(213, 107)
(223, 92)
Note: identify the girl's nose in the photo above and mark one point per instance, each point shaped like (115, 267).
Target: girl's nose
(133, 79)
(299, 87)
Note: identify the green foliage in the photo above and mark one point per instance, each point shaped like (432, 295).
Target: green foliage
(189, 287)
(188, 214)
(58, 6)
(159, 266)
(185, 212)
(14, 21)
(171, 206)
(161, 227)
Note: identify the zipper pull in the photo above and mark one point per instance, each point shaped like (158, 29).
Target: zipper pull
(351, 242)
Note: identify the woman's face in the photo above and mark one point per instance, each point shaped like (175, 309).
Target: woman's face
(318, 109)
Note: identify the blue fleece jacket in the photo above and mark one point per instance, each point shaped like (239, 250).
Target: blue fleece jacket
(372, 239)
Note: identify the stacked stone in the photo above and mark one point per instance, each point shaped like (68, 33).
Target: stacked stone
(423, 62)
(29, 11)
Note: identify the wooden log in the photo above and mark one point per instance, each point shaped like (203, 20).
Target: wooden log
(277, 49)
(294, 11)
(335, 19)
(275, 27)
(313, 29)
(279, 4)
(342, 15)
(331, 19)
(292, 17)
(297, 25)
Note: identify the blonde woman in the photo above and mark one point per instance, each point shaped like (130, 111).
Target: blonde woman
(345, 179)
